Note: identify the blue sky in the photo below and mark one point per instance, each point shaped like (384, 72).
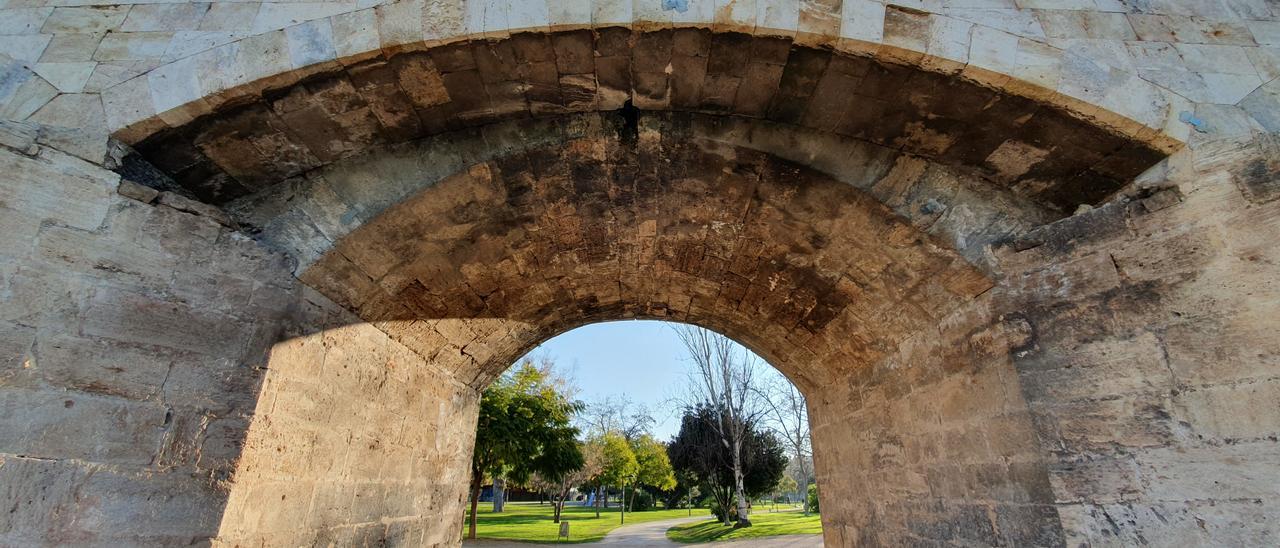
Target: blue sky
(642, 359)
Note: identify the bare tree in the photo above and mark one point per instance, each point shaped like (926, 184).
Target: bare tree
(617, 413)
(725, 376)
(788, 417)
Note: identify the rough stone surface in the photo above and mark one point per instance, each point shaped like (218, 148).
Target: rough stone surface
(369, 211)
(159, 374)
(1040, 152)
(1139, 66)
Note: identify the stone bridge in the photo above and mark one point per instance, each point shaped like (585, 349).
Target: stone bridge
(259, 258)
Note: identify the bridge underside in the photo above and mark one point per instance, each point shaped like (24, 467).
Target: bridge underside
(270, 324)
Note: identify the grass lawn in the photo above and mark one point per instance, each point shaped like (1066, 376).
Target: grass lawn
(531, 522)
(763, 524)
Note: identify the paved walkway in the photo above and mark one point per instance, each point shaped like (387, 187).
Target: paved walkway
(654, 534)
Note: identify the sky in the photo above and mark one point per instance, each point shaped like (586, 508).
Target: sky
(640, 358)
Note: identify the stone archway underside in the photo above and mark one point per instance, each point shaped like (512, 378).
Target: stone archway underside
(644, 222)
(257, 138)
(166, 379)
(606, 216)
(887, 206)
(835, 213)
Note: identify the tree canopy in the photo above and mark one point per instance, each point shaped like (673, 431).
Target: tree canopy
(619, 461)
(699, 451)
(524, 427)
(653, 465)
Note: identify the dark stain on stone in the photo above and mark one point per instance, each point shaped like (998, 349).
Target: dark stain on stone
(630, 130)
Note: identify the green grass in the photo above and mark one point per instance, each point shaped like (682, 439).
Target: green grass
(531, 522)
(763, 524)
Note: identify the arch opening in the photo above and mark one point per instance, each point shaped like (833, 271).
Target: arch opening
(636, 382)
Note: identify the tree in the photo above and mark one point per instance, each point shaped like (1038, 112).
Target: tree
(523, 428)
(653, 467)
(686, 492)
(788, 416)
(558, 489)
(725, 379)
(618, 461)
(697, 451)
(617, 413)
(786, 484)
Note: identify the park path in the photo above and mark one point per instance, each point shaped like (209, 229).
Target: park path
(654, 534)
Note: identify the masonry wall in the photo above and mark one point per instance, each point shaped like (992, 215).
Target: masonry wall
(135, 337)
(934, 444)
(356, 440)
(1152, 368)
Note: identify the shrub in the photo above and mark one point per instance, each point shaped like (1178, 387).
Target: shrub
(641, 501)
(813, 498)
(719, 512)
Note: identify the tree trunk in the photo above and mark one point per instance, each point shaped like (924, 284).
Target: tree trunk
(559, 504)
(722, 498)
(476, 478)
(738, 491)
(597, 505)
(804, 487)
(499, 495)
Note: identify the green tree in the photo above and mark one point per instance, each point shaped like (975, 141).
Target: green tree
(653, 466)
(523, 428)
(618, 462)
(558, 488)
(786, 485)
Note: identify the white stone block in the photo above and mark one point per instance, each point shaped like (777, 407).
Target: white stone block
(862, 20)
(311, 43)
(67, 77)
(355, 32)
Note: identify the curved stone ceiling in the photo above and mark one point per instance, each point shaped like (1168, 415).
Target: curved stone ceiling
(255, 140)
(642, 222)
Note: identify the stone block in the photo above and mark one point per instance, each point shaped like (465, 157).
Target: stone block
(134, 317)
(79, 198)
(39, 297)
(42, 491)
(133, 46)
(159, 17)
(1245, 411)
(105, 258)
(98, 366)
(1097, 369)
(49, 423)
(130, 189)
(85, 19)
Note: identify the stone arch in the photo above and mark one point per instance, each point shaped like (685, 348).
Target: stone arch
(264, 133)
(598, 217)
(987, 403)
